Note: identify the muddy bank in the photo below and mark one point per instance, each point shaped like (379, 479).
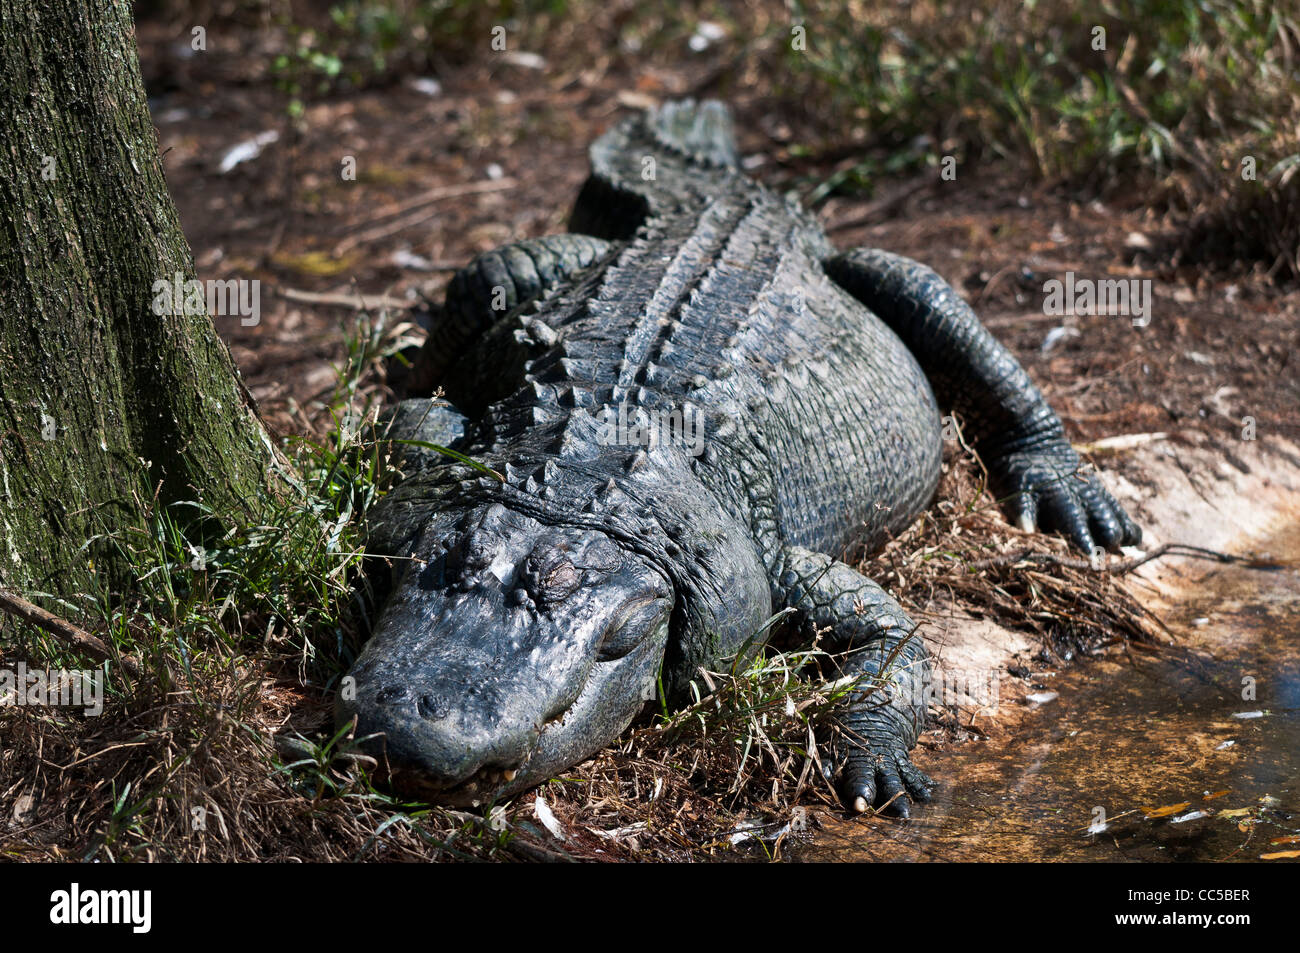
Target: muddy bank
(1181, 751)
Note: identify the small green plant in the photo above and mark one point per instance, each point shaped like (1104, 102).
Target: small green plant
(1068, 90)
(363, 43)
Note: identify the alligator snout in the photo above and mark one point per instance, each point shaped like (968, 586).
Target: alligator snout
(437, 740)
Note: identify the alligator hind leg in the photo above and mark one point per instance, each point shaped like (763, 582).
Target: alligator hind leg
(1018, 435)
(885, 711)
(490, 287)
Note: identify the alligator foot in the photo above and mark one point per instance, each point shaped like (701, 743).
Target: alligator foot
(1047, 486)
(885, 710)
(873, 767)
(1016, 432)
(483, 293)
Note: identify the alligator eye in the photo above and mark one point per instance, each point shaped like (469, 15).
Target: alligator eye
(561, 578)
(550, 575)
(619, 642)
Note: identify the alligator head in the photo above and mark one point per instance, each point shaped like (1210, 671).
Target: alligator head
(512, 650)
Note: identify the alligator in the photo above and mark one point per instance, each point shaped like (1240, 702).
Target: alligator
(687, 416)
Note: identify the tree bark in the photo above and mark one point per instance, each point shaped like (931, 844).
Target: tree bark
(103, 401)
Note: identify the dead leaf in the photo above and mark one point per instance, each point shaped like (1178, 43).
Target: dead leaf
(1154, 812)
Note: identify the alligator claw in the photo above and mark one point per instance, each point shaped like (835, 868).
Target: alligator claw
(886, 779)
(1049, 488)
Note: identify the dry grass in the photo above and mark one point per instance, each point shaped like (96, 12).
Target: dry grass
(952, 553)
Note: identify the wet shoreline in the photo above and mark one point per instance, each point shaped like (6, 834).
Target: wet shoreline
(1185, 753)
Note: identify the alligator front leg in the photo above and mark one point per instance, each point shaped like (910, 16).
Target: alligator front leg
(1018, 435)
(885, 712)
(415, 428)
(490, 287)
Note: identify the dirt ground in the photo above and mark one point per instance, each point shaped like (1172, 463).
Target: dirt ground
(507, 149)
(496, 155)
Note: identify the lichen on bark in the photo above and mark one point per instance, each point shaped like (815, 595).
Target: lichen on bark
(103, 402)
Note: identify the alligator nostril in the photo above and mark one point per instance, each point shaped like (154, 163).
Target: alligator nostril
(391, 694)
(431, 708)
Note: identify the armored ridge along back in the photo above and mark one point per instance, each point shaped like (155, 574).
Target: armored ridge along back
(532, 617)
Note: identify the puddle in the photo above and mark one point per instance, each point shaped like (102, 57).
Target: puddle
(1128, 734)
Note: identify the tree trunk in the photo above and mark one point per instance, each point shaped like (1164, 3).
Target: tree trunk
(103, 400)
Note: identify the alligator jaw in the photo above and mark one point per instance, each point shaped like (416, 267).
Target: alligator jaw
(613, 695)
(484, 787)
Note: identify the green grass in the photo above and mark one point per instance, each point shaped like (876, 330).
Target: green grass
(1192, 106)
(1179, 84)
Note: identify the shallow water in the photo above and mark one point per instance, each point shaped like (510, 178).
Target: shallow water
(1149, 742)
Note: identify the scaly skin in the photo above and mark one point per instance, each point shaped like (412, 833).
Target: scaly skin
(531, 619)
(1013, 428)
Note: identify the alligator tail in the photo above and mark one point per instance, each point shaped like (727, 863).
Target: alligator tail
(702, 132)
(696, 139)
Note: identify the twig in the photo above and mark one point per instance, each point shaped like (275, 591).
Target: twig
(1119, 443)
(1127, 565)
(63, 630)
(355, 300)
(882, 207)
(418, 212)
